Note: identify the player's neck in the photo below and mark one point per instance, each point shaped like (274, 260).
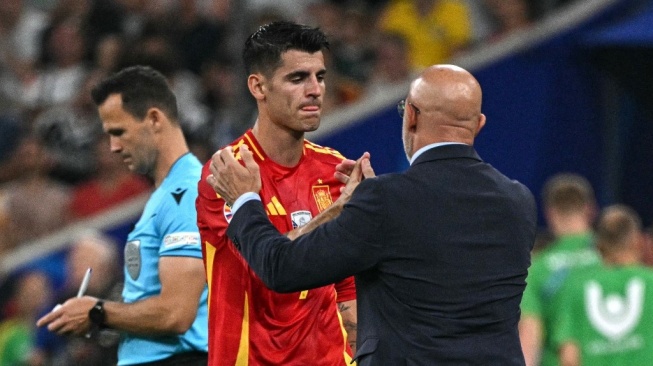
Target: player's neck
(622, 258)
(284, 147)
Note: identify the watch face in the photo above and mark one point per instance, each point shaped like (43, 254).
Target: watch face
(96, 314)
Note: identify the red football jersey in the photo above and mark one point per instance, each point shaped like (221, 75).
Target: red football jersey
(248, 323)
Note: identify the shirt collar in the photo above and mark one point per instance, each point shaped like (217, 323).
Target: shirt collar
(431, 146)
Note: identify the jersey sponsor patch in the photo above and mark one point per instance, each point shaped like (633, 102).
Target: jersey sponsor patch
(183, 238)
(228, 214)
(322, 196)
(612, 315)
(133, 258)
(300, 218)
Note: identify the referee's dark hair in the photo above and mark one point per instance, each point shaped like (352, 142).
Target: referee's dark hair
(141, 88)
(263, 49)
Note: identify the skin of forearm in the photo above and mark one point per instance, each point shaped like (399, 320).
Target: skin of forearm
(151, 316)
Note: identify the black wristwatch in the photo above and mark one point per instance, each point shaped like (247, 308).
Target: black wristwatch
(97, 314)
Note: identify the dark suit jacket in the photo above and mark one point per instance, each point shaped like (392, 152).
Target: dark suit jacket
(440, 254)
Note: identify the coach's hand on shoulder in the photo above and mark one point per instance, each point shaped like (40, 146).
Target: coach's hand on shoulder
(229, 178)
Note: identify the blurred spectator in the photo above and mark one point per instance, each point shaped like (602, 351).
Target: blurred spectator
(99, 252)
(10, 132)
(569, 206)
(326, 15)
(232, 113)
(66, 139)
(17, 332)
(63, 75)
(480, 21)
(134, 18)
(25, 197)
(647, 247)
(510, 16)
(109, 52)
(392, 65)
(195, 36)
(111, 184)
(353, 52)
(603, 311)
(435, 29)
(290, 9)
(156, 50)
(20, 32)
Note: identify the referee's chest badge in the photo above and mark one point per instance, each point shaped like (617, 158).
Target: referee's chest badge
(133, 258)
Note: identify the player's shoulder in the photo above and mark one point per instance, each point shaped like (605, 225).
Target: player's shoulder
(322, 153)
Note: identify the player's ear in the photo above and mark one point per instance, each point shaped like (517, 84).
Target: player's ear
(256, 85)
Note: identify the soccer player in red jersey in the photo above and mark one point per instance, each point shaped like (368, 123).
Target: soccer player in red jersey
(248, 323)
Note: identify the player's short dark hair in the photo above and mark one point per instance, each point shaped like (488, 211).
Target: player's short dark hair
(141, 88)
(568, 192)
(616, 224)
(263, 49)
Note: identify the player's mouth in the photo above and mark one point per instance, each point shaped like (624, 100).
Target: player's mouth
(311, 108)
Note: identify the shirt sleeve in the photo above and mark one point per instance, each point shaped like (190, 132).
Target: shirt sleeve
(213, 215)
(564, 308)
(531, 303)
(177, 223)
(346, 290)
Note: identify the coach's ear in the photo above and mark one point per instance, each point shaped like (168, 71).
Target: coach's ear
(256, 85)
(481, 123)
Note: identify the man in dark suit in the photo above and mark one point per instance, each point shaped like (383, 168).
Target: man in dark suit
(440, 252)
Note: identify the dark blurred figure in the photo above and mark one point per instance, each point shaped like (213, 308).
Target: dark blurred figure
(353, 52)
(64, 68)
(25, 197)
(231, 112)
(196, 37)
(108, 53)
(510, 16)
(31, 294)
(20, 31)
(156, 50)
(647, 247)
(392, 64)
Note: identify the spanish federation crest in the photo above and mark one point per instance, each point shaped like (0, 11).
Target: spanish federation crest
(322, 197)
(133, 258)
(300, 218)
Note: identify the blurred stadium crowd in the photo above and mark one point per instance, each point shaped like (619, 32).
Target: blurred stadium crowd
(53, 51)
(55, 164)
